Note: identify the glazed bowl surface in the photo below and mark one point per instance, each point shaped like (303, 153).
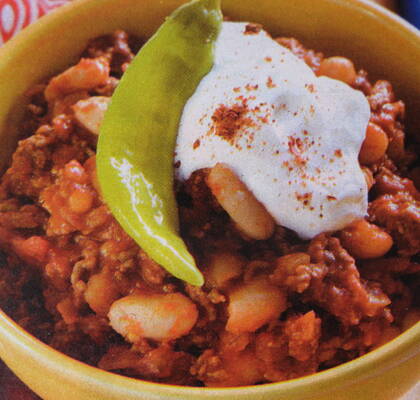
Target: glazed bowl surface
(374, 38)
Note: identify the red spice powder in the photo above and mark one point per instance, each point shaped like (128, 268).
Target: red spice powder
(228, 121)
(250, 87)
(196, 144)
(252, 29)
(304, 198)
(270, 84)
(310, 87)
(295, 145)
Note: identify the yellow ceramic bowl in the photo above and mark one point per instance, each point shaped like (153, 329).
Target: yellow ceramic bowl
(376, 39)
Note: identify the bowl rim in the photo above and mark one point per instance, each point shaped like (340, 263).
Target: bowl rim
(368, 6)
(364, 366)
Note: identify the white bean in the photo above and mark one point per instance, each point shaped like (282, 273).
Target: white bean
(153, 316)
(222, 268)
(88, 74)
(247, 212)
(90, 112)
(254, 304)
(101, 292)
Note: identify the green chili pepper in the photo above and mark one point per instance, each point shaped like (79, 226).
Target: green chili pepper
(138, 135)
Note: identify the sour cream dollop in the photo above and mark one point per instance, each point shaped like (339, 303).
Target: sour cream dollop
(291, 137)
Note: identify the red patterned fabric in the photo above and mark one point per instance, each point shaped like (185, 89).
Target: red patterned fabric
(16, 14)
